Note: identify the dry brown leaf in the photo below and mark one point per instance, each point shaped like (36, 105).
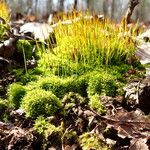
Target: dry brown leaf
(130, 124)
(138, 144)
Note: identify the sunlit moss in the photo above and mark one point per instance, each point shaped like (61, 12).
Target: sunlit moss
(40, 102)
(91, 141)
(94, 42)
(96, 104)
(102, 83)
(24, 48)
(87, 44)
(50, 132)
(42, 126)
(15, 94)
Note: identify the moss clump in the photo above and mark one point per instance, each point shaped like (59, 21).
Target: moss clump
(91, 141)
(80, 85)
(59, 86)
(96, 104)
(51, 133)
(24, 48)
(102, 84)
(15, 94)
(42, 126)
(54, 84)
(40, 102)
(24, 78)
(70, 138)
(73, 99)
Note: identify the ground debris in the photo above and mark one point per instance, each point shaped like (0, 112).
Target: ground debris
(137, 95)
(14, 136)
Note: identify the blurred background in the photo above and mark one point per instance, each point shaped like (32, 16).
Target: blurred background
(114, 9)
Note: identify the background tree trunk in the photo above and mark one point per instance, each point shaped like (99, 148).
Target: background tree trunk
(105, 7)
(115, 9)
(75, 4)
(90, 5)
(112, 9)
(61, 5)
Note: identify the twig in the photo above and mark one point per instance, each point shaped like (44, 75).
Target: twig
(132, 4)
(63, 136)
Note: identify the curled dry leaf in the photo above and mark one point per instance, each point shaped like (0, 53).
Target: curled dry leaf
(131, 125)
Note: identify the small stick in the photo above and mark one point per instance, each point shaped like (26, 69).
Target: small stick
(132, 4)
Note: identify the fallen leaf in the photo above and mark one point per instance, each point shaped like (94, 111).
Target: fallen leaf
(138, 144)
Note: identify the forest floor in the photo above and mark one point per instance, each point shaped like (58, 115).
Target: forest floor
(72, 87)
